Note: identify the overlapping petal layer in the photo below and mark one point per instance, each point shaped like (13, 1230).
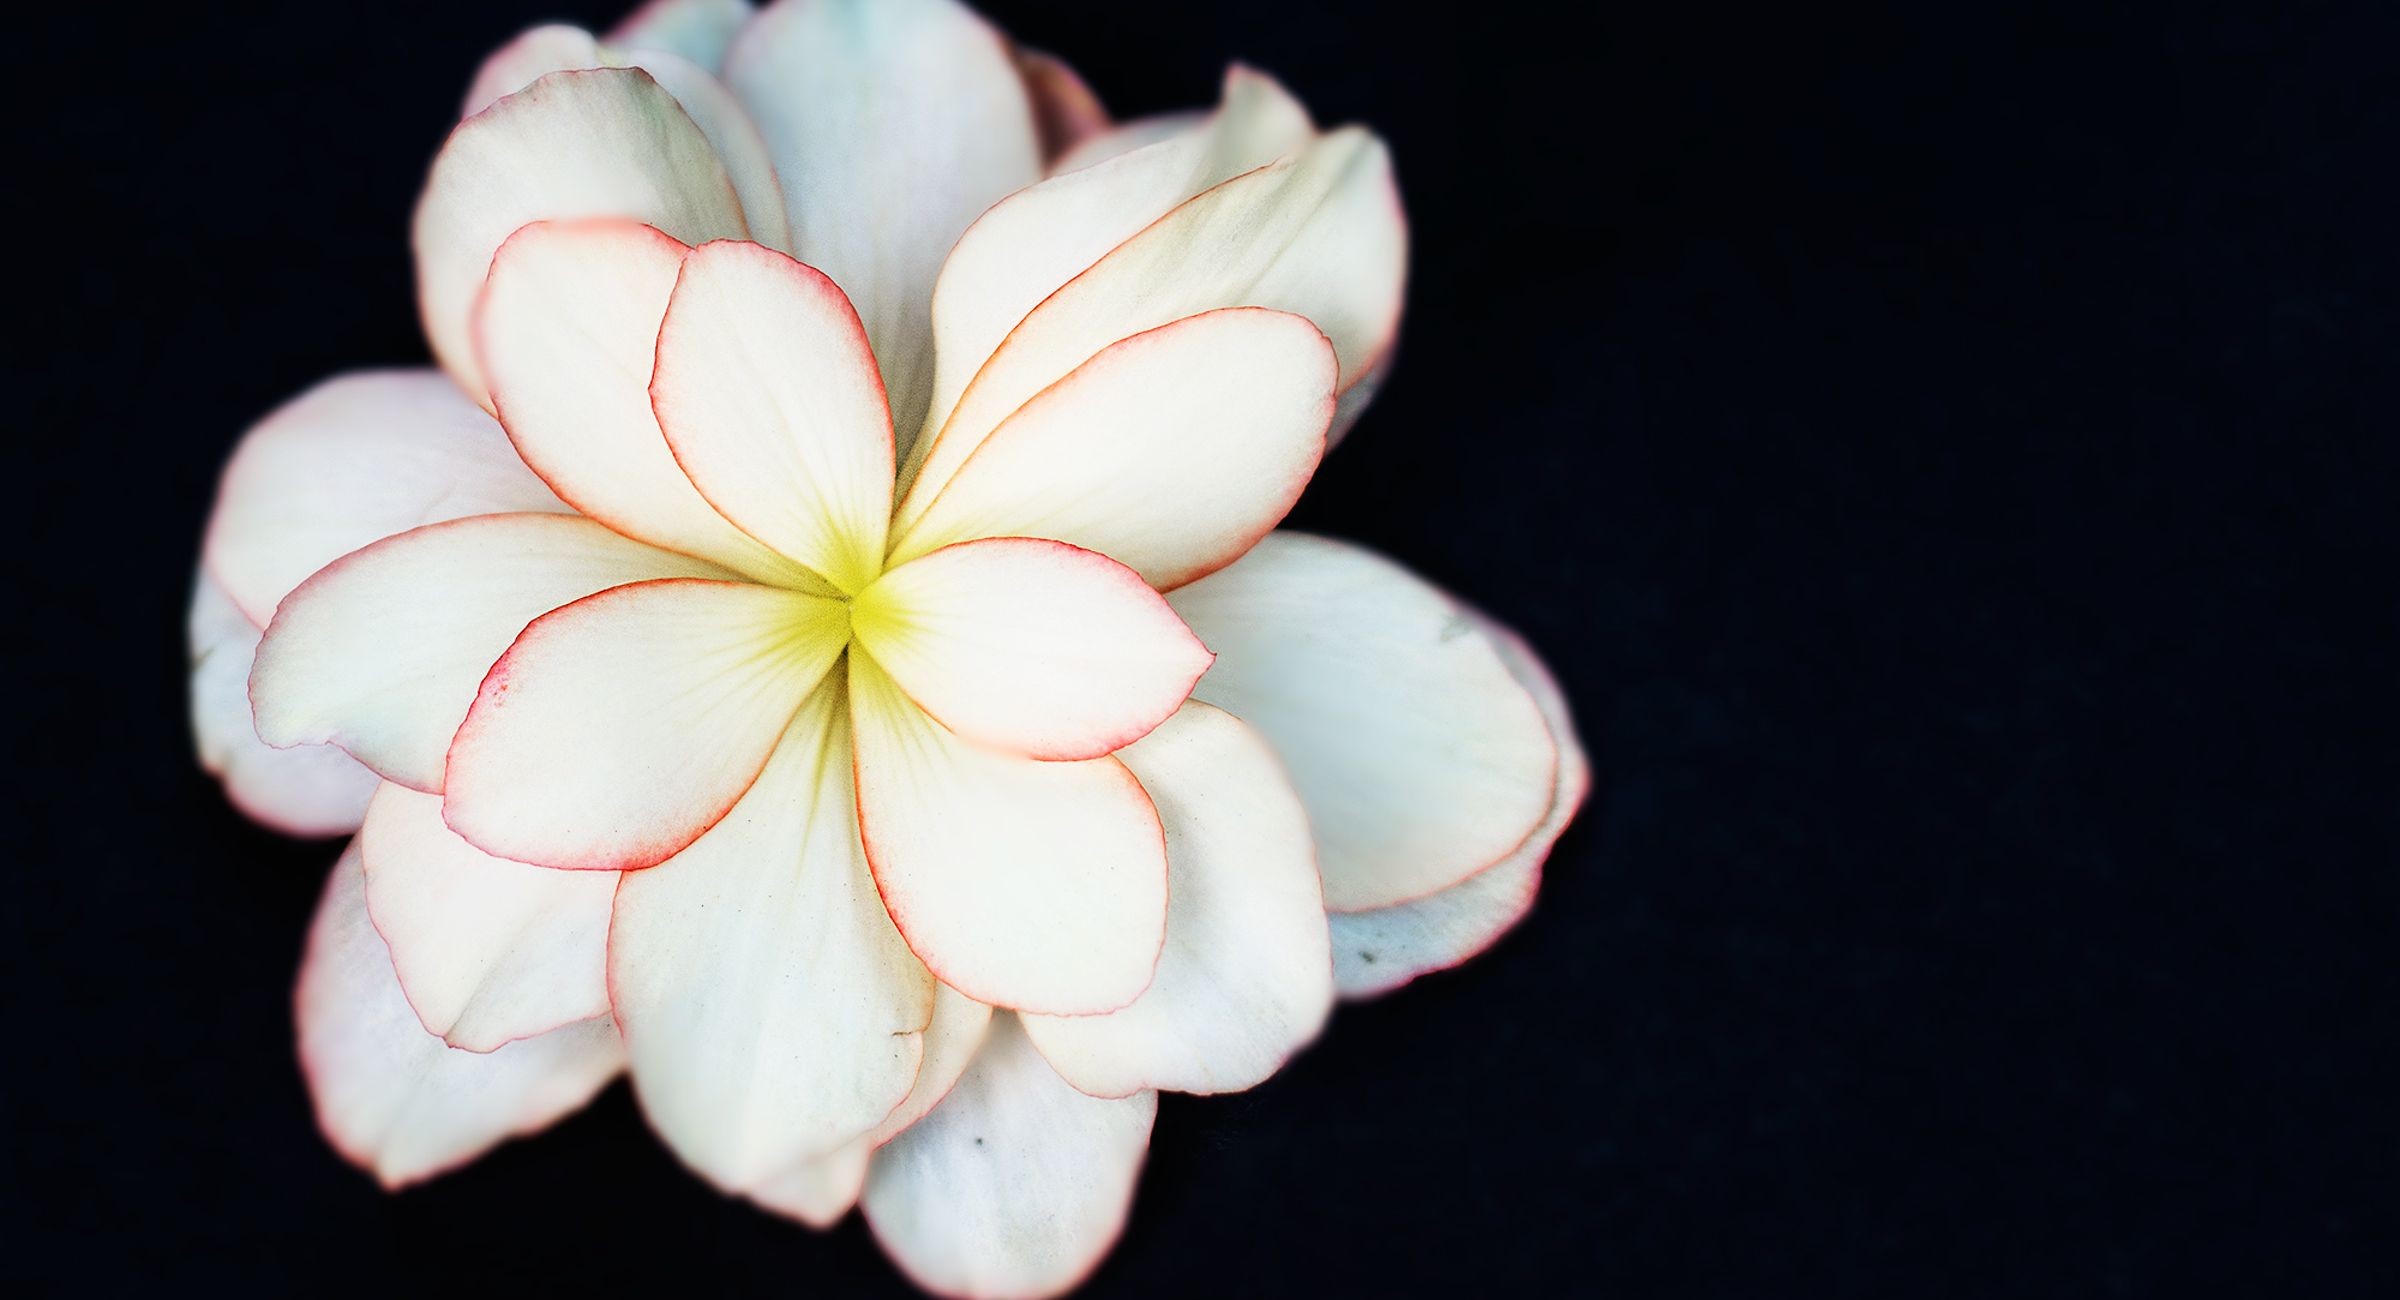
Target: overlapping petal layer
(305, 790)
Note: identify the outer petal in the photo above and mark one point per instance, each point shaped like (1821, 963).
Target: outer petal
(1245, 979)
(356, 458)
(1031, 647)
(1038, 239)
(609, 142)
(892, 123)
(382, 651)
(818, 1191)
(393, 1099)
(1420, 759)
(1020, 883)
(769, 397)
(1378, 951)
(1171, 452)
(1125, 137)
(311, 790)
(560, 48)
(1065, 111)
(951, 1039)
(772, 1012)
(488, 950)
(1016, 1185)
(616, 730)
(699, 30)
(1319, 235)
(568, 331)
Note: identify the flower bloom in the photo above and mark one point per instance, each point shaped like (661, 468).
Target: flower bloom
(786, 695)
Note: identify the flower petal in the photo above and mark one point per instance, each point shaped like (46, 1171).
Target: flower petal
(607, 142)
(771, 1011)
(1020, 883)
(383, 650)
(769, 398)
(818, 1191)
(488, 951)
(619, 728)
(1421, 760)
(892, 123)
(1318, 234)
(1031, 647)
(1245, 979)
(1038, 239)
(568, 331)
(395, 1100)
(1016, 1185)
(559, 48)
(1065, 111)
(699, 30)
(1378, 951)
(1125, 137)
(308, 790)
(1171, 452)
(951, 1039)
(359, 457)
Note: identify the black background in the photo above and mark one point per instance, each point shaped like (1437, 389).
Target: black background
(1948, 457)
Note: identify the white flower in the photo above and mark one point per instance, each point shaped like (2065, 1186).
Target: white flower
(652, 627)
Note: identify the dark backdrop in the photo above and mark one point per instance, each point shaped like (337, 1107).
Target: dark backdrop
(1948, 458)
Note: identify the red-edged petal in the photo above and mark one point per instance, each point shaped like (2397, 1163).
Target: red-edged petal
(606, 142)
(1245, 979)
(771, 1011)
(1378, 951)
(769, 396)
(1030, 647)
(619, 728)
(1020, 883)
(383, 650)
(1421, 760)
(397, 1101)
(488, 951)
(1016, 1185)
(1171, 452)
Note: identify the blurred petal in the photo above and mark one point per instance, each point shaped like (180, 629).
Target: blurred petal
(1421, 760)
(608, 142)
(397, 1101)
(619, 728)
(488, 951)
(1171, 452)
(1016, 1185)
(1378, 951)
(1030, 647)
(568, 332)
(771, 1011)
(769, 398)
(383, 650)
(1065, 111)
(1020, 883)
(1245, 979)
(533, 54)
(1125, 137)
(309, 790)
(818, 1191)
(892, 123)
(357, 458)
(699, 30)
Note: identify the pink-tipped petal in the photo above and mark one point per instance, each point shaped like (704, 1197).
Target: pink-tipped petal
(1031, 647)
(1378, 951)
(616, 730)
(1421, 759)
(1245, 979)
(1020, 883)
(488, 951)
(309, 790)
(1038, 239)
(383, 650)
(359, 457)
(1171, 452)
(772, 1013)
(605, 142)
(568, 331)
(1016, 1185)
(769, 397)
(698, 30)
(892, 123)
(397, 1101)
